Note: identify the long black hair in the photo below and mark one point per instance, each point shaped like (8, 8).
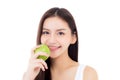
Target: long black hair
(73, 48)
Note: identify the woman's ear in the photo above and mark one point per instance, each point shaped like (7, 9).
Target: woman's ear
(74, 39)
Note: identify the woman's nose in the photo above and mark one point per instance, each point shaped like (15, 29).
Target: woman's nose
(52, 38)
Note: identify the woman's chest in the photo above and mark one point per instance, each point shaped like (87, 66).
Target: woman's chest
(69, 74)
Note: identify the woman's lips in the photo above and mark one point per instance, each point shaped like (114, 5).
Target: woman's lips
(54, 48)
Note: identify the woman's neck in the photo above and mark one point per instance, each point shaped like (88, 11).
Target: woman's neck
(62, 62)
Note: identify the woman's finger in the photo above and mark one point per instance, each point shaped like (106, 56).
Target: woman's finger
(40, 61)
(39, 54)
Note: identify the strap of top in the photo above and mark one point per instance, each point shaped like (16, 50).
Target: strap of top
(79, 73)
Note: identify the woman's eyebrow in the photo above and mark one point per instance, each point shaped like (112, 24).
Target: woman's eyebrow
(61, 29)
(56, 30)
(45, 29)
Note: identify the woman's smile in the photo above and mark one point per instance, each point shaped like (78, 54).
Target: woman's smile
(54, 48)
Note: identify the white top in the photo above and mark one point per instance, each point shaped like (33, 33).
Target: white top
(80, 71)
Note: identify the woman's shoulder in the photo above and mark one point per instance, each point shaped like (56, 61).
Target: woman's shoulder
(90, 73)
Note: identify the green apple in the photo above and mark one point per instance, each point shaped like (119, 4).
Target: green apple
(42, 48)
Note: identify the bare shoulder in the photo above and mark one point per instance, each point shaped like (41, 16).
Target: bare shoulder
(90, 73)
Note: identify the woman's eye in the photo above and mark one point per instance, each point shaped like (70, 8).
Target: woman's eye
(60, 33)
(45, 32)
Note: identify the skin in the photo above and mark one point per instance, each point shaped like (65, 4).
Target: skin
(57, 35)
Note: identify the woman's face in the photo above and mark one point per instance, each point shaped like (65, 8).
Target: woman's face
(57, 35)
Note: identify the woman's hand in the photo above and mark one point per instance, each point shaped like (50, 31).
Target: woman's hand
(35, 65)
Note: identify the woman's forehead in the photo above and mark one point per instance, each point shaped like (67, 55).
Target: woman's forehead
(55, 23)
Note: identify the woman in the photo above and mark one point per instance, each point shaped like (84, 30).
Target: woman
(57, 29)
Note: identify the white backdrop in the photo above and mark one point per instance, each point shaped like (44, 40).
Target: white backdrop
(98, 24)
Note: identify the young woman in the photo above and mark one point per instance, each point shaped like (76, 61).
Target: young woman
(57, 29)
